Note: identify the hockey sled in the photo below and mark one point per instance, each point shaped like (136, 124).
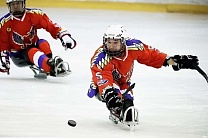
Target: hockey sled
(39, 73)
(122, 118)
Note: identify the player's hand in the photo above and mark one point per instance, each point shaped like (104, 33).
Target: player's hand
(4, 62)
(66, 40)
(112, 99)
(185, 62)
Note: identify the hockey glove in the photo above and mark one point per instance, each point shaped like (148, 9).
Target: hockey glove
(66, 40)
(4, 62)
(184, 62)
(113, 100)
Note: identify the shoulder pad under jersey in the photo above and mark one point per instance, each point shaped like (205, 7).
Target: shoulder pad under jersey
(5, 19)
(100, 59)
(134, 44)
(35, 11)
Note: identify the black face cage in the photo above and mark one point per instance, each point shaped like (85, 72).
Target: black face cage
(114, 53)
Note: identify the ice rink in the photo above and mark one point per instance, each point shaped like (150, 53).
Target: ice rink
(171, 104)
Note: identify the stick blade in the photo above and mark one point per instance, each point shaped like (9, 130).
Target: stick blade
(200, 71)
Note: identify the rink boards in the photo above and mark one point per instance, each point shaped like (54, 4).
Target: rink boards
(125, 6)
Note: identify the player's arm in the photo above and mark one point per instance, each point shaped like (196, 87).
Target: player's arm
(56, 31)
(101, 78)
(4, 62)
(150, 56)
(107, 92)
(101, 69)
(159, 59)
(153, 57)
(4, 58)
(4, 49)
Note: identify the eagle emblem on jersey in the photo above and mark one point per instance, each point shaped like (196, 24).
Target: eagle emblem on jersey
(17, 38)
(101, 59)
(24, 40)
(116, 75)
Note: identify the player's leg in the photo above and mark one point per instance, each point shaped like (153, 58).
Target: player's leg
(37, 57)
(58, 66)
(18, 59)
(44, 46)
(129, 112)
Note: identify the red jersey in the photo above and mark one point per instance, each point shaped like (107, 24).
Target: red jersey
(17, 33)
(107, 70)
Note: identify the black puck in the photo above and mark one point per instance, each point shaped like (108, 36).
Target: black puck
(72, 123)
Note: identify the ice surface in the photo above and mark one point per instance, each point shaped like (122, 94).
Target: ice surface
(171, 104)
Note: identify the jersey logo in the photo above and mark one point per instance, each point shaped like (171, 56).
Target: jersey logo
(24, 40)
(9, 29)
(116, 75)
(100, 59)
(100, 79)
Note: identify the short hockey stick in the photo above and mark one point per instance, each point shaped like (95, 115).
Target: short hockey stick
(129, 89)
(200, 71)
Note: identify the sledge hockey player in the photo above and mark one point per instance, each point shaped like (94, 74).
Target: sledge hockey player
(112, 67)
(20, 42)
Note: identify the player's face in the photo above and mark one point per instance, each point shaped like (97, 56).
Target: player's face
(113, 44)
(16, 7)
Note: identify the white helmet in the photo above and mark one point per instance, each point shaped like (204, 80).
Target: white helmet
(16, 13)
(9, 1)
(114, 32)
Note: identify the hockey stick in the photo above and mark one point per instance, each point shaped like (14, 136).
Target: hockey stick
(200, 71)
(129, 89)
